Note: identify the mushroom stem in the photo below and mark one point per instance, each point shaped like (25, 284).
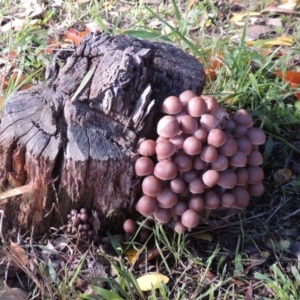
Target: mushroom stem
(175, 217)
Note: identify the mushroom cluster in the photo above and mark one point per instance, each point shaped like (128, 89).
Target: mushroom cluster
(80, 222)
(203, 160)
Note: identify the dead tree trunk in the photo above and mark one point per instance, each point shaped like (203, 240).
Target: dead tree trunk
(82, 153)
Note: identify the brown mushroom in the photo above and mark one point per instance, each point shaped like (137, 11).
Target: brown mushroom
(196, 107)
(200, 134)
(144, 166)
(211, 200)
(167, 198)
(129, 226)
(239, 159)
(186, 96)
(179, 227)
(192, 146)
(254, 158)
(256, 189)
(177, 185)
(165, 170)
(256, 136)
(147, 148)
(211, 102)
(196, 203)
(242, 117)
(210, 178)
(177, 141)
(163, 215)
(241, 176)
(242, 197)
(216, 137)
(208, 122)
(172, 105)
(190, 219)
(188, 124)
(209, 154)
(255, 173)
(198, 163)
(244, 145)
(229, 148)
(196, 186)
(146, 205)
(183, 162)
(165, 149)
(227, 179)
(189, 175)
(227, 200)
(168, 126)
(220, 164)
(151, 186)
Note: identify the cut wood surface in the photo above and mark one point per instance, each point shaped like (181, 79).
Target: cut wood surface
(76, 136)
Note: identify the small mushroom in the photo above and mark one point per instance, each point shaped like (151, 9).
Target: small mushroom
(167, 198)
(216, 137)
(255, 173)
(197, 186)
(256, 136)
(180, 208)
(146, 205)
(188, 124)
(177, 185)
(144, 166)
(210, 178)
(165, 149)
(256, 189)
(179, 227)
(254, 158)
(244, 145)
(196, 107)
(220, 113)
(168, 126)
(172, 105)
(208, 122)
(230, 125)
(189, 175)
(163, 215)
(229, 148)
(198, 163)
(242, 117)
(211, 102)
(196, 203)
(186, 96)
(151, 186)
(227, 179)
(183, 162)
(177, 141)
(147, 148)
(239, 159)
(209, 154)
(165, 170)
(240, 130)
(227, 200)
(241, 176)
(220, 164)
(190, 219)
(211, 200)
(242, 197)
(129, 226)
(192, 146)
(200, 134)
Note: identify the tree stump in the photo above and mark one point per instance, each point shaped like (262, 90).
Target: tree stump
(82, 152)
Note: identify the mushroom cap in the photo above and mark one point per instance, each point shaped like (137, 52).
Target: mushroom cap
(227, 200)
(200, 134)
(220, 164)
(242, 197)
(165, 149)
(229, 148)
(186, 96)
(129, 226)
(254, 158)
(209, 154)
(196, 107)
(239, 159)
(167, 198)
(255, 173)
(244, 145)
(210, 177)
(208, 122)
(196, 203)
(180, 207)
(165, 170)
(179, 227)
(144, 166)
(256, 189)
(172, 105)
(211, 102)
(240, 130)
(198, 163)
(192, 146)
(188, 124)
(220, 113)
(241, 176)
(242, 117)
(216, 137)
(230, 125)
(151, 186)
(227, 179)
(177, 141)
(256, 136)
(147, 148)
(190, 218)
(211, 200)
(189, 175)
(180, 115)
(177, 185)
(197, 186)
(183, 162)
(163, 215)
(168, 126)
(146, 205)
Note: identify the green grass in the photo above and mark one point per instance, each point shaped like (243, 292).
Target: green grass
(197, 268)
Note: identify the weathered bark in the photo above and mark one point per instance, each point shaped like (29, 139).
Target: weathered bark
(82, 153)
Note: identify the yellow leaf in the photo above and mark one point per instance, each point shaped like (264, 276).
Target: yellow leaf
(280, 41)
(132, 255)
(149, 282)
(283, 175)
(237, 17)
(19, 254)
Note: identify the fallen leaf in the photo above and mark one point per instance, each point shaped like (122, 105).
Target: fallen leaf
(253, 33)
(149, 282)
(276, 9)
(280, 41)
(249, 293)
(132, 255)
(192, 3)
(19, 254)
(238, 17)
(73, 36)
(283, 175)
(257, 259)
(289, 76)
(151, 254)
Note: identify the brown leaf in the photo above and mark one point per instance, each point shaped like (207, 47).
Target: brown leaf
(249, 293)
(19, 254)
(277, 9)
(283, 175)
